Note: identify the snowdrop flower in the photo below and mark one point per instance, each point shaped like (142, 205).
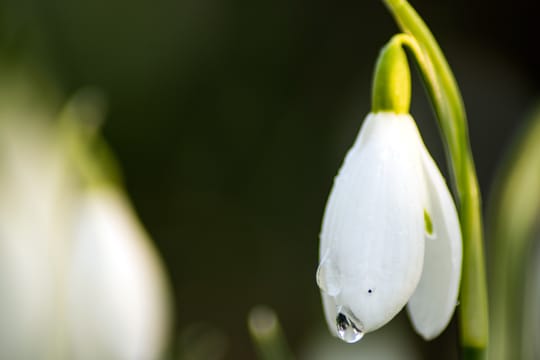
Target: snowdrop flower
(33, 207)
(390, 233)
(30, 237)
(118, 302)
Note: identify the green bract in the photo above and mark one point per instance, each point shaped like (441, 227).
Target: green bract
(392, 80)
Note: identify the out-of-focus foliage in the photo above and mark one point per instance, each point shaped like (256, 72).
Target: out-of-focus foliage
(201, 341)
(513, 227)
(393, 341)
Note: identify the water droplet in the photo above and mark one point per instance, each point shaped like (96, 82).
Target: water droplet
(328, 276)
(347, 328)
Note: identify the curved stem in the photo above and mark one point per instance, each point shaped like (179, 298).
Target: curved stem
(449, 109)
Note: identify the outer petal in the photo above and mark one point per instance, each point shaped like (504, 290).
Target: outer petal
(330, 312)
(433, 303)
(372, 235)
(35, 191)
(118, 299)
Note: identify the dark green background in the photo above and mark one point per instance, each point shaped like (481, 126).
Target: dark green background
(230, 119)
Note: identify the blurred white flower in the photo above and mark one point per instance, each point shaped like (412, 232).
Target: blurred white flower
(33, 204)
(390, 235)
(98, 292)
(118, 301)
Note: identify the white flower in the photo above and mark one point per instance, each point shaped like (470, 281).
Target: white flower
(390, 235)
(34, 202)
(118, 301)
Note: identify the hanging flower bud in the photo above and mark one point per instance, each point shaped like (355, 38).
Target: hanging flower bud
(390, 233)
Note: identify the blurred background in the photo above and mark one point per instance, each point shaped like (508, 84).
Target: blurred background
(230, 118)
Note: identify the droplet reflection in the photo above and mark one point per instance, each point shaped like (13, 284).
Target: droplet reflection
(347, 329)
(328, 277)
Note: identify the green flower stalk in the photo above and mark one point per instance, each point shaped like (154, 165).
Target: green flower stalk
(448, 105)
(267, 335)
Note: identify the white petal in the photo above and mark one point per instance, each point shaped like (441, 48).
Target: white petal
(433, 303)
(118, 300)
(330, 312)
(35, 192)
(372, 244)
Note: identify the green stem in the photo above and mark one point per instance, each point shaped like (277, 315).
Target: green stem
(450, 111)
(267, 335)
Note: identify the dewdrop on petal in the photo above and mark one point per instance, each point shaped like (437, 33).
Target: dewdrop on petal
(390, 233)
